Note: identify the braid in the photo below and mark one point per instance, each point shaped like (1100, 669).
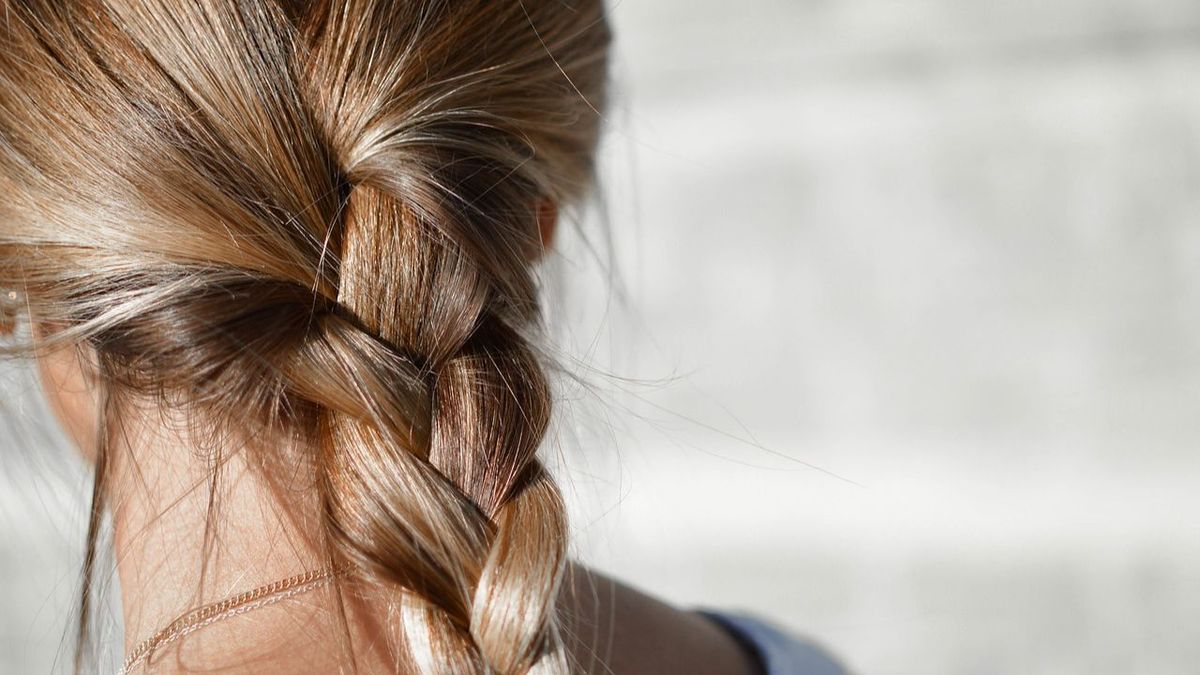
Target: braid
(320, 222)
(456, 510)
(454, 220)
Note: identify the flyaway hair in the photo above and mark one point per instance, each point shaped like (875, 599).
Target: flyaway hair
(313, 225)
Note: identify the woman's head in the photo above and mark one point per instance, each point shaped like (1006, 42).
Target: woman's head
(310, 226)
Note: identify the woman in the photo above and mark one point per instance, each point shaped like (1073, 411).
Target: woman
(276, 259)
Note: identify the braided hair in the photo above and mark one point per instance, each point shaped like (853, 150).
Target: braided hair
(316, 222)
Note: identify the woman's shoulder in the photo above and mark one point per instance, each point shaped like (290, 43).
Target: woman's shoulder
(611, 627)
(778, 652)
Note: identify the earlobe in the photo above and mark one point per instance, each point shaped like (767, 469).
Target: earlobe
(72, 392)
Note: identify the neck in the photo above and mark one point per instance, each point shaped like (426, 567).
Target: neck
(184, 540)
(186, 537)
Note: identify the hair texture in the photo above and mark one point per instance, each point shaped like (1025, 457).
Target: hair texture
(315, 222)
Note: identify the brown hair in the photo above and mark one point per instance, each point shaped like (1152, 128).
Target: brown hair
(312, 223)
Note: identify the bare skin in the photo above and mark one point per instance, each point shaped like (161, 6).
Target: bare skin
(160, 507)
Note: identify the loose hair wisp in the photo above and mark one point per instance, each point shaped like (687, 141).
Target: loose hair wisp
(314, 223)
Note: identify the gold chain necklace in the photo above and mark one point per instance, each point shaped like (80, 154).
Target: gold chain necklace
(241, 603)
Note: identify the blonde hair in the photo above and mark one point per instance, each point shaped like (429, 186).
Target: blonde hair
(314, 222)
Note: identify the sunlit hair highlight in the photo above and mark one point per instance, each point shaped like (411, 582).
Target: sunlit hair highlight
(316, 222)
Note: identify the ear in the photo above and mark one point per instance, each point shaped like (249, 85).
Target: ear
(547, 220)
(72, 390)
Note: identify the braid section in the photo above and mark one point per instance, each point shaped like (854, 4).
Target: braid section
(311, 226)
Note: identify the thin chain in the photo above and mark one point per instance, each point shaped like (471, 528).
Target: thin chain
(241, 603)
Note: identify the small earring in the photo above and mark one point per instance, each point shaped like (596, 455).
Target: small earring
(8, 314)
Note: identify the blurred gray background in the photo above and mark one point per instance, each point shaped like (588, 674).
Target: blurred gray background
(903, 350)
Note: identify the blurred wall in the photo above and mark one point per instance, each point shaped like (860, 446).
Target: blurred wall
(903, 351)
(946, 251)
